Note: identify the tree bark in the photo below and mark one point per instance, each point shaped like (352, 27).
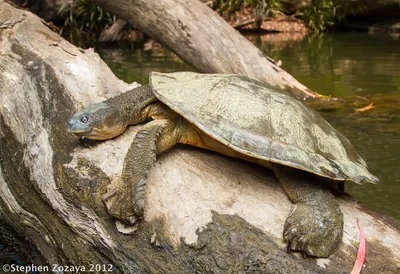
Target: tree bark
(116, 32)
(200, 37)
(205, 213)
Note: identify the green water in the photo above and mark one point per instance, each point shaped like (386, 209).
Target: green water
(341, 64)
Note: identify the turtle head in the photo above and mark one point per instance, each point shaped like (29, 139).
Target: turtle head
(97, 122)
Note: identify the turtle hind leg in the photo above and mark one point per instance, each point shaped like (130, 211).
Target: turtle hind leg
(315, 223)
(125, 199)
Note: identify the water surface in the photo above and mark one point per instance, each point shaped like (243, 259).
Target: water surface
(339, 64)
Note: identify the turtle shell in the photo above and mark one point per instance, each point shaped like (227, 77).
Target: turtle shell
(262, 122)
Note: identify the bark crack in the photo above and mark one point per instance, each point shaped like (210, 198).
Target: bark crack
(8, 19)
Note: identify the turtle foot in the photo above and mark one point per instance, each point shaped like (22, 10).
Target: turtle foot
(313, 230)
(119, 205)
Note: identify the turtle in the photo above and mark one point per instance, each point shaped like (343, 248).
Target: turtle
(238, 117)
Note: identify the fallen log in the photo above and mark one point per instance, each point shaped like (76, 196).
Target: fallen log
(203, 39)
(205, 213)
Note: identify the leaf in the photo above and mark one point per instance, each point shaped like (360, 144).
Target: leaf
(369, 107)
(361, 251)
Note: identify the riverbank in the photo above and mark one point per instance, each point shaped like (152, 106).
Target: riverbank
(85, 24)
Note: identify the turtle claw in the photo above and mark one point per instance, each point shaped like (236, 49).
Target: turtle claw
(119, 205)
(304, 255)
(312, 230)
(290, 248)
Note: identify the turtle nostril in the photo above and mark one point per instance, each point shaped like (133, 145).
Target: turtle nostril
(71, 122)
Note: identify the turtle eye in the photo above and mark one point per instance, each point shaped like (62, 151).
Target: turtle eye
(84, 119)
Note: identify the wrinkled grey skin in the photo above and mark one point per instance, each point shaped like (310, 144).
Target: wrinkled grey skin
(241, 118)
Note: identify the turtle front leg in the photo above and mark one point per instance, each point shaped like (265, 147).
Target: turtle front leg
(315, 223)
(125, 201)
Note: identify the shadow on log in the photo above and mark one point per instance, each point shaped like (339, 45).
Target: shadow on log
(205, 213)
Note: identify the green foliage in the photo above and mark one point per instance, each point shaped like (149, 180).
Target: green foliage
(263, 8)
(84, 21)
(322, 15)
